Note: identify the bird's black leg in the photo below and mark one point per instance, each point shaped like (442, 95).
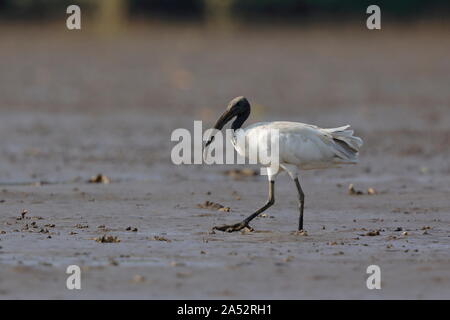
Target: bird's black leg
(243, 224)
(301, 199)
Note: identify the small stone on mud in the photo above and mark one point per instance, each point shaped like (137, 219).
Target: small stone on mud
(371, 191)
(137, 278)
(353, 191)
(99, 178)
(373, 233)
(247, 230)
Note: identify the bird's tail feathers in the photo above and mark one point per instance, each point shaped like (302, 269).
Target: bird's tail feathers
(348, 144)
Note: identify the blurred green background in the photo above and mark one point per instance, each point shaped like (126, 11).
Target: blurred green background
(242, 10)
(197, 54)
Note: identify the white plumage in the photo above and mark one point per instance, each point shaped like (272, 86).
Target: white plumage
(302, 146)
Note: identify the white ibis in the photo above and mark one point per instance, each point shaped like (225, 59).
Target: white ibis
(301, 147)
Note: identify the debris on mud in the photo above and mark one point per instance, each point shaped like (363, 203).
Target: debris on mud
(241, 173)
(23, 213)
(107, 239)
(113, 262)
(137, 278)
(161, 238)
(214, 206)
(131, 229)
(371, 233)
(99, 178)
(81, 226)
(352, 191)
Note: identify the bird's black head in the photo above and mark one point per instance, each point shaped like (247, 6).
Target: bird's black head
(239, 107)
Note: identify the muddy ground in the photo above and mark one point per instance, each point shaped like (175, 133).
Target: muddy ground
(73, 108)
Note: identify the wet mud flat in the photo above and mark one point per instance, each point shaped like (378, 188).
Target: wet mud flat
(143, 228)
(163, 247)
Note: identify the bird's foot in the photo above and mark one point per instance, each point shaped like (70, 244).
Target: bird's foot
(300, 233)
(234, 227)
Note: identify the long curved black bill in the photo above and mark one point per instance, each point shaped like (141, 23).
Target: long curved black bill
(220, 123)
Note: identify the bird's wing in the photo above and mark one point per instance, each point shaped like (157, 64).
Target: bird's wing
(300, 142)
